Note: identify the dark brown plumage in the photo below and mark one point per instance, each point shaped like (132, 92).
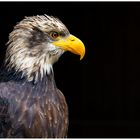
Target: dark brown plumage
(31, 106)
(36, 110)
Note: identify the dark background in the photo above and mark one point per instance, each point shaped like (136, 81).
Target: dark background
(102, 90)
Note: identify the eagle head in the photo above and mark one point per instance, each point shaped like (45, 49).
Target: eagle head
(36, 43)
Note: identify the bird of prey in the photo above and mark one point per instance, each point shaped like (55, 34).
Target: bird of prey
(31, 105)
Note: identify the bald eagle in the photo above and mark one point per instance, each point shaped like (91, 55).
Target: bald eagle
(31, 105)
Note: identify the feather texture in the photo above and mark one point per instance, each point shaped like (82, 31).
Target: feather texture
(33, 110)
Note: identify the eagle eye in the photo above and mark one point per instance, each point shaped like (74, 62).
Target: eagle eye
(54, 35)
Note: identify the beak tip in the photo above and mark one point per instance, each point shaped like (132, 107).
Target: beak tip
(82, 56)
(83, 53)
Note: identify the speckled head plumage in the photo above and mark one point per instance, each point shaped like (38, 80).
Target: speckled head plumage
(36, 43)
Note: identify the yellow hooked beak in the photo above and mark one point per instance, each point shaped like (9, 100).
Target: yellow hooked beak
(72, 44)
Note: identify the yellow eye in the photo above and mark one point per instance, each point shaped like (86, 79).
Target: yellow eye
(54, 34)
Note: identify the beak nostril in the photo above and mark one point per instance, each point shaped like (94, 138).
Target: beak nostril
(72, 39)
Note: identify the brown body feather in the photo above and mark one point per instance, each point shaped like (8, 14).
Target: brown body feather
(33, 110)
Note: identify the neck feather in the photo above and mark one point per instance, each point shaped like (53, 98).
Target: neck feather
(10, 73)
(32, 69)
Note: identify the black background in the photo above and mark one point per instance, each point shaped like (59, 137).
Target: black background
(102, 90)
